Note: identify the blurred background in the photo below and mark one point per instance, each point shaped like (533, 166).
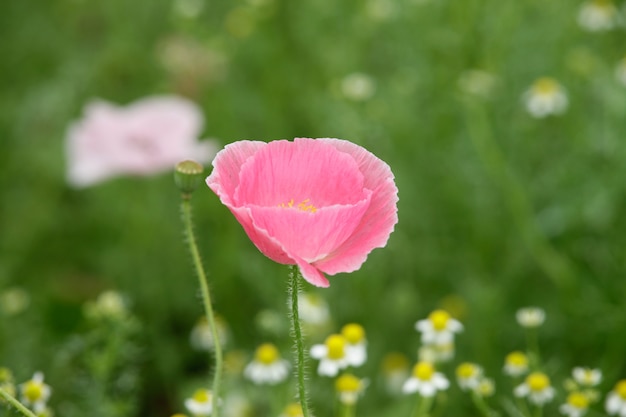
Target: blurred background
(499, 209)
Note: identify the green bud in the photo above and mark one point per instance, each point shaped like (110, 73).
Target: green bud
(188, 176)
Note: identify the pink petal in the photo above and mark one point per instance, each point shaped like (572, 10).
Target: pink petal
(379, 220)
(303, 170)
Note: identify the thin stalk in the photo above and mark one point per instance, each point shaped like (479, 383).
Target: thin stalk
(15, 403)
(347, 410)
(294, 289)
(206, 299)
(422, 407)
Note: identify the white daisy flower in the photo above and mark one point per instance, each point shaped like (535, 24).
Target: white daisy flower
(587, 377)
(545, 97)
(109, 305)
(267, 367)
(35, 393)
(349, 387)
(356, 344)
(425, 380)
(438, 328)
(201, 403)
(516, 364)
(201, 337)
(485, 388)
(530, 317)
(576, 405)
(469, 375)
(537, 388)
(598, 15)
(312, 309)
(620, 71)
(436, 353)
(616, 400)
(332, 355)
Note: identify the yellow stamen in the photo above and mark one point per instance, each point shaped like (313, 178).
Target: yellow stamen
(354, 333)
(423, 371)
(347, 383)
(439, 319)
(293, 410)
(304, 205)
(537, 381)
(202, 396)
(578, 400)
(33, 391)
(620, 388)
(546, 86)
(266, 354)
(517, 359)
(335, 344)
(466, 370)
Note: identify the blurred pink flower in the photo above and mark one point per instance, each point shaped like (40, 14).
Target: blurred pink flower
(322, 204)
(146, 137)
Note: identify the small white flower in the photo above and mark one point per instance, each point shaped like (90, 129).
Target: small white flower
(530, 317)
(332, 355)
(537, 388)
(109, 305)
(598, 15)
(358, 86)
(356, 345)
(616, 400)
(267, 367)
(576, 405)
(395, 369)
(436, 353)
(587, 377)
(425, 380)
(349, 388)
(35, 393)
(469, 375)
(516, 364)
(313, 309)
(620, 71)
(201, 403)
(545, 97)
(485, 388)
(439, 328)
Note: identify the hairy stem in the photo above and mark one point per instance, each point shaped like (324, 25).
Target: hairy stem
(206, 299)
(294, 289)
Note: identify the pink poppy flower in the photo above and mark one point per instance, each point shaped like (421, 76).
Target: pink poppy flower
(321, 204)
(146, 137)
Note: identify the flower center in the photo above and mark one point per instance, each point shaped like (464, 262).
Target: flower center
(304, 205)
(537, 381)
(353, 333)
(620, 388)
(33, 391)
(293, 410)
(266, 354)
(347, 383)
(546, 86)
(395, 361)
(423, 371)
(466, 370)
(578, 400)
(335, 344)
(202, 396)
(439, 319)
(517, 359)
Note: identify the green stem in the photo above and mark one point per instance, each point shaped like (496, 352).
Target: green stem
(347, 410)
(533, 348)
(294, 289)
(482, 405)
(206, 298)
(15, 403)
(422, 407)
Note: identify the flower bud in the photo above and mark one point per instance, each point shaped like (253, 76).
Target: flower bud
(188, 176)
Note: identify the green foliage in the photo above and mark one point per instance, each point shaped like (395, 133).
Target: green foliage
(497, 209)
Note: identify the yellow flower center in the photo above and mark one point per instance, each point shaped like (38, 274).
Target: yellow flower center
(620, 388)
(293, 410)
(546, 86)
(347, 383)
(517, 359)
(266, 354)
(304, 205)
(603, 4)
(537, 381)
(423, 371)
(202, 396)
(466, 370)
(354, 333)
(179, 415)
(578, 400)
(335, 344)
(33, 391)
(439, 319)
